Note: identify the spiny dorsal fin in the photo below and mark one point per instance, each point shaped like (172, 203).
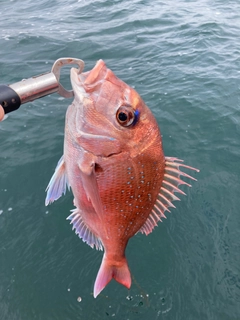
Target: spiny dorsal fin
(171, 181)
(82, 230)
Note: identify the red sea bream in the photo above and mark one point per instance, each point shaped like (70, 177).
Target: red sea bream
(114, 163)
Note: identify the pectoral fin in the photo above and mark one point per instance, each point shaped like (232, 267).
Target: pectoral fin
(58, 183)
(87, 166)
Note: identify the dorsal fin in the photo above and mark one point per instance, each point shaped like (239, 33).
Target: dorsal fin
(171, 181)
(82, 230)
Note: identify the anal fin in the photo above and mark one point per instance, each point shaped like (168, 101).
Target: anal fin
(83, 231)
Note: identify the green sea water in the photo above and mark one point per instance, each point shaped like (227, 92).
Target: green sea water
(183, 57)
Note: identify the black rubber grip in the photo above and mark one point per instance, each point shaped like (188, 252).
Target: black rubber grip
(9, 99)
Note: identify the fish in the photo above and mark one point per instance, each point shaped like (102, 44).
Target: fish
(113, 161)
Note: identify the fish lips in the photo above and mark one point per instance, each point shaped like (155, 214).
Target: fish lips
(88, 82)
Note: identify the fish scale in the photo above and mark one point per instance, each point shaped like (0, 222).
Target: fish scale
(128, 200)
(114, 163)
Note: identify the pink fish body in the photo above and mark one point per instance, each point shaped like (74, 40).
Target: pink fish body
(114, 163)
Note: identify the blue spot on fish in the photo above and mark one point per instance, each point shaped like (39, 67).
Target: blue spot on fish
(136, 118)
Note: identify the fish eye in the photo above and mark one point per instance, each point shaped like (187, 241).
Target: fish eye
(125, 116)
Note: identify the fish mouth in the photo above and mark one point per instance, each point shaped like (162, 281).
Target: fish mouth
(87, 82)
(98, 73)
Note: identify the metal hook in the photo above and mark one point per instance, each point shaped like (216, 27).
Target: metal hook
(12, 96)
(56, 69)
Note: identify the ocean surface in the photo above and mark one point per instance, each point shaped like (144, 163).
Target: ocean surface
(183, 57)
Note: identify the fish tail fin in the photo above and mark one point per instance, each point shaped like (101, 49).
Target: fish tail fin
(107, 272)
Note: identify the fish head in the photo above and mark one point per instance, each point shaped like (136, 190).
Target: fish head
(110, 111)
